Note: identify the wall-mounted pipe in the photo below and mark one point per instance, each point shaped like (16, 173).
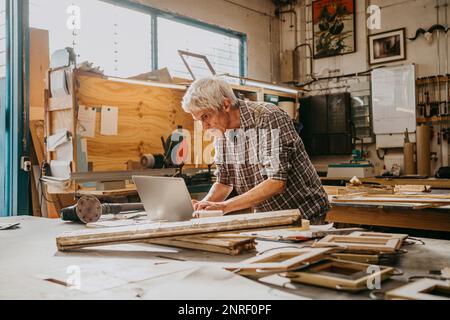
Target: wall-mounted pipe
(294, 13)
(311, 64)
(349, 75)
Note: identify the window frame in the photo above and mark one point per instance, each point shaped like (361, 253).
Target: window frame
(157, 13)
(17, 137)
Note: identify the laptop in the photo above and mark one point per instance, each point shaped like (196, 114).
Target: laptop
(167, 199)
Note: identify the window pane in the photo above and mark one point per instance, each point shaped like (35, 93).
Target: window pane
(116, 39)
(221, 50)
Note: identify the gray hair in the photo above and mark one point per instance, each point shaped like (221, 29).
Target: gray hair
(207, 93)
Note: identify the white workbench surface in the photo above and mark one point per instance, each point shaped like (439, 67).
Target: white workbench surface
(28, 255)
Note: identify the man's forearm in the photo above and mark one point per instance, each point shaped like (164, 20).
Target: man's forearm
(218, 192)
(255, 196)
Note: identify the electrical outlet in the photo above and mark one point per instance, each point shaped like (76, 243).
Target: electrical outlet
(25, 164)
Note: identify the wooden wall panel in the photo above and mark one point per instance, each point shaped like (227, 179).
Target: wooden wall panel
(39, 64)
(145, 114)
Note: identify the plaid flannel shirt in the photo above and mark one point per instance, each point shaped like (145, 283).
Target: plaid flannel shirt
(267, 146)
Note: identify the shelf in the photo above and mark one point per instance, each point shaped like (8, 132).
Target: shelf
(432, 119)
(432, 80)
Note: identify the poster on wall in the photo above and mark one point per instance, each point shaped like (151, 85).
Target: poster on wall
(333, 27)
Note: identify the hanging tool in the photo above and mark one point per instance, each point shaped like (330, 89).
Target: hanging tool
(427, 98)
(89, 209)
(421, 102)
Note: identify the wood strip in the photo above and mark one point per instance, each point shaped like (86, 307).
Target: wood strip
(409, 196)
(224, 242)
(359, 243)
(387, 200)
(400, 218)
(143, 233)
(421, 290)
(214, 243)
(429, 206)
(37, 137)
(280, 260)
(195, 246)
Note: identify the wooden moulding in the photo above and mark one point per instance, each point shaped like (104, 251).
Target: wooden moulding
(362, 258)
(341, 275)
(396, 199)
(358, 244)
(218, 243)
(282, 260)
(379, 234)
(436, 220)
(423, 289)
(146, 232)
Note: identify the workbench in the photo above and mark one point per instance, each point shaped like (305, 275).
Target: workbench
(390, 215)
(29, 255)
(390, 181)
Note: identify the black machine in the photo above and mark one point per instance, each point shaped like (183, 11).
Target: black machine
(89, 209)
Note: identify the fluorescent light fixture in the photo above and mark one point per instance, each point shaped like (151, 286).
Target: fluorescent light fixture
(270, 86)
(262, 84)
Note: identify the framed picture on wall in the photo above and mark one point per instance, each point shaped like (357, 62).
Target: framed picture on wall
(387, 46)
(333, 27)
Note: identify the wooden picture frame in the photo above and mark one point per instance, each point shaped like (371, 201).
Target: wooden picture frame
(357, 244)
(334, 28)
(183, 54)
(282, 260)
(386, 47)
(423, 289)
(402, 237)
(340, 275)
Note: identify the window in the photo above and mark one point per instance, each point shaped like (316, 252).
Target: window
(222, 51)
(118, 37)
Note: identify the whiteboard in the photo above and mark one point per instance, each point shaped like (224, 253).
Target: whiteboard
(394, 99)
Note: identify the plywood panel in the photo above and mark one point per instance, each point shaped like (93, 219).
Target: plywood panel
(145, 114)
(39, 64)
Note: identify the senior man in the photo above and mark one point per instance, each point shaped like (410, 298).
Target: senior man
(257, 152)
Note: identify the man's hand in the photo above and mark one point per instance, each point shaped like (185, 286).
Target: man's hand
(208, 205)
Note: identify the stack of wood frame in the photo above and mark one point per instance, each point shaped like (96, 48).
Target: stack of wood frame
(195, 234)
(231, 244)
(332, 262)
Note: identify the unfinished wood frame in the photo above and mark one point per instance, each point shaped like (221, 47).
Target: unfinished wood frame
(383, 235)
(218, 243)
(341, 275)
(423, 289)
(379, 234)
(282, 260)
(145, 232)
(358, 244)
(362, 258)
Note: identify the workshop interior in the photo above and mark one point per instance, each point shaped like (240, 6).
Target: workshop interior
(120, 121)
